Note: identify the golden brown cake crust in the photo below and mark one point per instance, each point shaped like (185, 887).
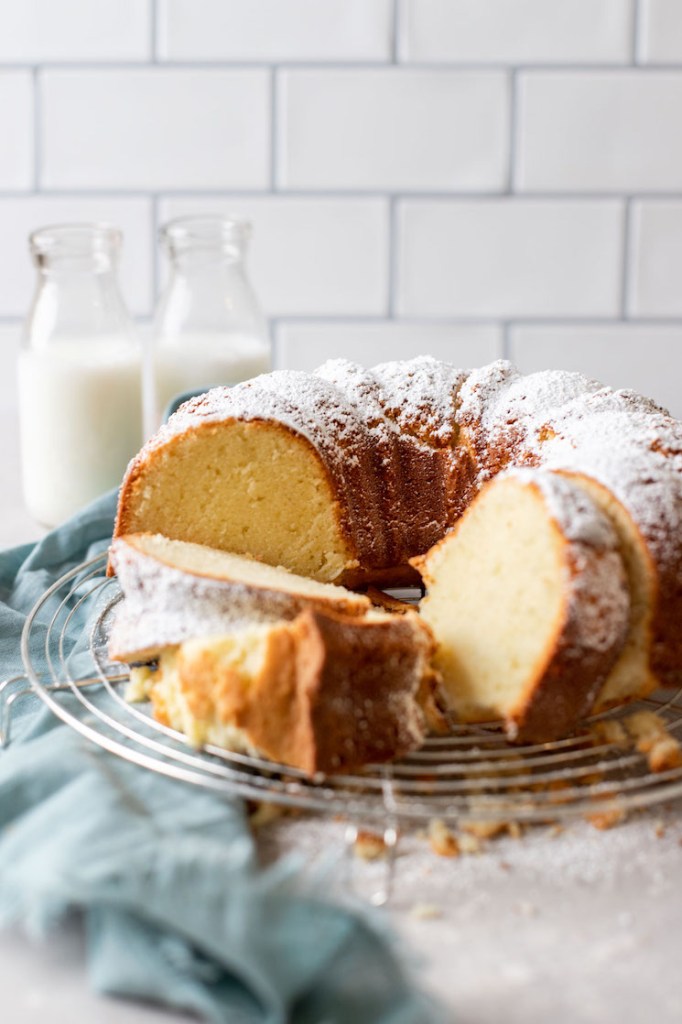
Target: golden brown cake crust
(334, 693)
(405, 448)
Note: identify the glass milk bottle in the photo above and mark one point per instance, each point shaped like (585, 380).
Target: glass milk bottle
(80, 373)
(209, 329)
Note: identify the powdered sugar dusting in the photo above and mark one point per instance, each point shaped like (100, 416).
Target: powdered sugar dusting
(578, 516)
(369, 425)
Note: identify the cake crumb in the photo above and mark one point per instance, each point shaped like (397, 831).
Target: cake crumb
(646, 728)
(369, 846)
(555, 830)
(484, 829)
(425, 912)
(606, 819)
(651, 737)
(610, 732)
(470, 844)
(665, 755)
(515, 829)
(263, 813)
(441, 839)
(659, 829)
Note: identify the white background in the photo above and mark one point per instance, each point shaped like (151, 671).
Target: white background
(470, 178)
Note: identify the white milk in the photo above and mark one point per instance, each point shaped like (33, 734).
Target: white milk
(81, 422)
(205, 360)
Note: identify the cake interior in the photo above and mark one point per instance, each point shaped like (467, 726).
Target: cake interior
(211, 563)
(497, 600)
(251, 488)
(198, 685)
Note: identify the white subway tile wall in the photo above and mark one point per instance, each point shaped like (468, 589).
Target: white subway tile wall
(21, 215)
(75, 30)
(528, 32)
(471, 178)
(275, 30)
(660, 32)
(388, 128)
(303, 346)
(309, 256)
(607, 352)
(509, 258)
(599, 131)
(655, 286)
(155, 128)
(16, 129)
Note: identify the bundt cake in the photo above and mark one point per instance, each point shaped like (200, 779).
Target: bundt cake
(529, 600)
(323, 692)
(346, 474)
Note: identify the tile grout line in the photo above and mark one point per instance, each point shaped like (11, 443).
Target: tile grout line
(503, 323)
(513, 128)
(156, 260)
(625, 268)
(273, 333)
(395, 31)
(37, 129)
(342, 195)
(274, 130)
(392, 296)
(153, 32)
(155, 64)
(635, 29)
(506, 326)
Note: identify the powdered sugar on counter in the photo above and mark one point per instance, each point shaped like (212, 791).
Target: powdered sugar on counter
(573, 926)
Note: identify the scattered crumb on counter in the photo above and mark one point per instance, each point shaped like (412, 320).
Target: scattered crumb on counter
(606, 819)
(442, 840)
(425, 911)
(369, 846)
(484, 829)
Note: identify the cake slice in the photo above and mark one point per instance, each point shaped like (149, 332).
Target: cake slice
(529, 604)
(174, 591)
(323, 693)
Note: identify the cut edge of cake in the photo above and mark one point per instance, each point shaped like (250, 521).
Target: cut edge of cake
(323, 693)
(528, 601)
(176, 590)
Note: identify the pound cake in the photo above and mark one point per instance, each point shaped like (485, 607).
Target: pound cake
(322, 693)
(347, 475)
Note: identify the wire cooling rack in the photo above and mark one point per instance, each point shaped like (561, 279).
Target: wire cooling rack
(472, 773)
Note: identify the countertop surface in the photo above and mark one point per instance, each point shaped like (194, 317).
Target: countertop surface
(574, 925)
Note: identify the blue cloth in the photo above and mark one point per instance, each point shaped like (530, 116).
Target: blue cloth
(164, 875)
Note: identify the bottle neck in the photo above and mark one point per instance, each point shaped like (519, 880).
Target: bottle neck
(76, 297)
(197, 262)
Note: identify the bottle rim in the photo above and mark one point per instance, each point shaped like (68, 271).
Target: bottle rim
(75, 239)
(202, 230)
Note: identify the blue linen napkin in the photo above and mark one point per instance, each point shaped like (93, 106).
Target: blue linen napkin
(164, 875)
